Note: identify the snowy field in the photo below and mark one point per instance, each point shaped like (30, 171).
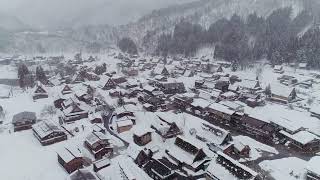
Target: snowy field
(287, 168)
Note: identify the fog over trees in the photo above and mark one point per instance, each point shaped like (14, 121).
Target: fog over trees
(277, 37)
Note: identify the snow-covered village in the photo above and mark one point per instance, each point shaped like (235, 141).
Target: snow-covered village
(122, 116)
(172, 90)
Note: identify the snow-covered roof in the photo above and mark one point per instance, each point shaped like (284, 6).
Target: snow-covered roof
(303, 137)
(313, 165)
(82, 174)
(249, 84)
(215, 93)
(287, 124)
(102, 163)
(211, 133)
(204, 94)
(140, 131)
(233, 87)
(95, 137)
(124, 123)
(234, 105)
(217, 171)
(281, 90)
(221, 108)
(158, 69)
(69, 153)
(235, 162)
(199, 102)
(229, 94)
(277, 67)
(24, 116)
(149, 88)
(45, 128)
(130, 170)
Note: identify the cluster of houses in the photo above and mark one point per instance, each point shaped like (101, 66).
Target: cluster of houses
(216, 97)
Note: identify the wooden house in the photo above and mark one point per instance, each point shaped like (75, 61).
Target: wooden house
(160, 70)
(251, 86)
(278, 69)
(303, 141)
(220, 112)
(66, 90)
(165, 127)
(78, 78)
(84, 96)
(143, 157)
(98, 144)
(199, 84)
(73, 113)
(119, 79)
(257, 126)
(110, 84)
(158, 170)
(213, 134)
(234, 167)
(303, 65)
(142, 136)
(222, 86)
(101, 164)
(149, 107)
(40, 92)
(182, 102)
(70, 159)
(95, 118)
(47, 132)
(219, 69)
(172, 87)
(126, 110)
(287, 80)
(149, 89)
(23, 120)
(124, 124)
(99, 128)
(283, 94)
(83, 174)
(237, 150)
(188, 153)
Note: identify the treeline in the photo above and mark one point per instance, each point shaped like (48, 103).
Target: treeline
(278, 37)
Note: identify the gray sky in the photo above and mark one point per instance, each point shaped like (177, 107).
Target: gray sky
(52, 13)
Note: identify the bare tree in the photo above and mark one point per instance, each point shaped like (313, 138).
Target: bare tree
(48, 110)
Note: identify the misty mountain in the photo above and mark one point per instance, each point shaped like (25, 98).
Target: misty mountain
(146, 30)
(50, 15)
(11, 23)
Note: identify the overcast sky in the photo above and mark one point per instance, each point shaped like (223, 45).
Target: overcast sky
(46, 13)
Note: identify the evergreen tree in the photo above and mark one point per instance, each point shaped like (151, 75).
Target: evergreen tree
(127, 45)
(40, 75)
(22, 73)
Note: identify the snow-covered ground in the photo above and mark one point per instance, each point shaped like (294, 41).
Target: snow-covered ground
(8, 72)
(287, 168)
